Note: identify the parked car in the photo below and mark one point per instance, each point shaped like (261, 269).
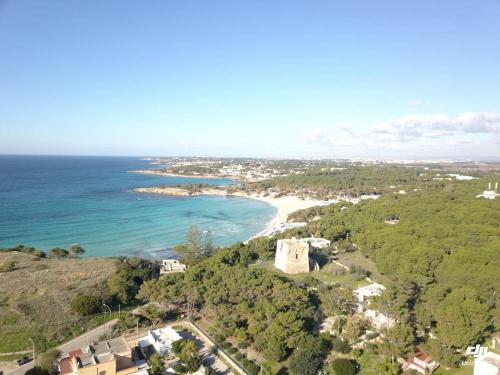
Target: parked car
(22, 361)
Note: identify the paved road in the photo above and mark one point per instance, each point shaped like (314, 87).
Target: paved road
(76, 343)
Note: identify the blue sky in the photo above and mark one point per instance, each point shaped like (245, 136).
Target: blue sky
(360, 79)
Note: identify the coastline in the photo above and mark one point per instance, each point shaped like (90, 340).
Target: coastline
(158, 172)
(284, 205)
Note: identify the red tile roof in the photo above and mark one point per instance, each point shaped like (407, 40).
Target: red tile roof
(65, 366)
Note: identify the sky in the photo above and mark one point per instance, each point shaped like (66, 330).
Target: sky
(413, 79)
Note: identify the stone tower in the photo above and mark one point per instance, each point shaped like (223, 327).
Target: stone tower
(292, 256)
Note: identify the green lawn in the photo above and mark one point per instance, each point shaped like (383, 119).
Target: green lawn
(464, 370)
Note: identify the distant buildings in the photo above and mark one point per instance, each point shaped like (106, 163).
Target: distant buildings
(171, 266)
(160, 340)
(489, 194)
(420, 362)
(292, 255)
(378, 319)
(488, 364)
(110, 357)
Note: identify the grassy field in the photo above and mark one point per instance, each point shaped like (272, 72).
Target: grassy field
(35, 298)
(464, 370)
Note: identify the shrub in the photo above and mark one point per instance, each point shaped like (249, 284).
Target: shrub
(86, 304)
(238, 356)
(232, 350)
(8, 266)
(342, 366)
(252, 368)
(340, 345)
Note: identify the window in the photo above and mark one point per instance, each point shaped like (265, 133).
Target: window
(102, 372)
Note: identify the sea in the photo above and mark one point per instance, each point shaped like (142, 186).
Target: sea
(57, 201)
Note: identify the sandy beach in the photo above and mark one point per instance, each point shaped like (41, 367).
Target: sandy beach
(284, 205)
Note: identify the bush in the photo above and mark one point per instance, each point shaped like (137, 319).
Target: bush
(239, 356)
(8, 266)
(37, 371)
(252, 368)
(232, 350)
(218, 338)
(225, 345)
(340, 345)
(86, 304)
(342, 366)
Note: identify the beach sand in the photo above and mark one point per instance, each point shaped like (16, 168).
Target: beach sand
(284, 205)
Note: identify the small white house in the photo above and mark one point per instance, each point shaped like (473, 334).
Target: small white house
(161, 339)
(318, 243)
(365, 292)
(420, 362)
(171, 266)
(378, 319)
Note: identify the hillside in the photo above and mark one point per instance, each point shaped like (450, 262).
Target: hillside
(35, 297)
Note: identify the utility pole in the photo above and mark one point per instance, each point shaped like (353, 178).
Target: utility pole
(137, 330)
(33, 347)
(109, 323)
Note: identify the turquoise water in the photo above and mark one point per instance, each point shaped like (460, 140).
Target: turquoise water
(49, 201)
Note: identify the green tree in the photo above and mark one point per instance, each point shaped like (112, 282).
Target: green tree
(342, 366)
(86, 304)
(398, 342)
(461, 318)
(37, 370)
(196, 247)
(48, 360)
(156, 364)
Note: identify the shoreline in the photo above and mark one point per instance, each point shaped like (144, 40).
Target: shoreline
(158, 172)
(284, 205)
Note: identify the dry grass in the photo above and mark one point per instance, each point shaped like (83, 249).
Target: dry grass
(35, 297)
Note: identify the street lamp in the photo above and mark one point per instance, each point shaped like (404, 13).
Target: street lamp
(106, 306)
(33, 346)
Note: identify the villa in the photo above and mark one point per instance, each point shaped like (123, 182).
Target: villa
(171, 266)
(160, 339)
(420, 362)
(378, 319)
(110, 357)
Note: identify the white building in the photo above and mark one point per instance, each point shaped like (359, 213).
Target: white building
(489, 194)
(171, 266)
(488, 364)
(420, 362)
(378, 319)
(318, 243)
(161, 339)
(365, 292)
